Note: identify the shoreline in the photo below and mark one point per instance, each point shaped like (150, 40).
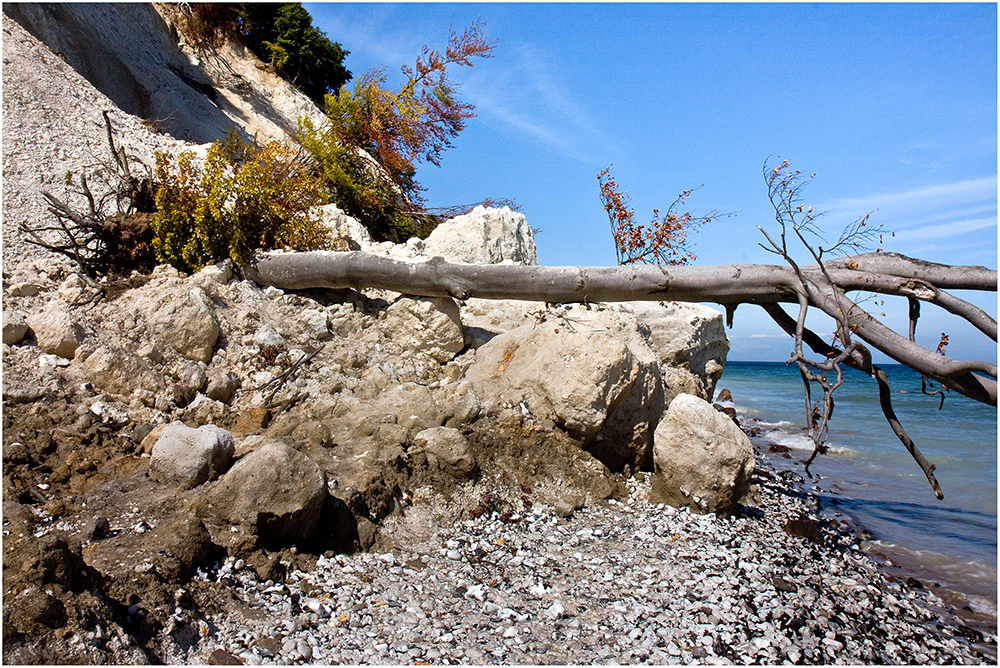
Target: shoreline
(620, 581)
(897, 562)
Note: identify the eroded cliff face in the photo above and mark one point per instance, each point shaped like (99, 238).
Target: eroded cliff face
(135, 55)
(355, 403)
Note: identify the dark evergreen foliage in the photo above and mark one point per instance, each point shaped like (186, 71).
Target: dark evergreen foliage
(283, 35)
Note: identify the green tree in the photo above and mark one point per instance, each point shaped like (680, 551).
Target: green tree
(283, 35)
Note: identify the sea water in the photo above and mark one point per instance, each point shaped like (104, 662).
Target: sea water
(868, 478)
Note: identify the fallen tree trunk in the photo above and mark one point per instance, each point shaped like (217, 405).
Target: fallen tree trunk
(723, 284)
(727, 285)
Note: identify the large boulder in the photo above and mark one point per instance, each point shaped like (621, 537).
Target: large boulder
(56, 330)
(690, 343)
(483, 236)
(600, 385)
(186, 457)
(275, 493)
(701, 458)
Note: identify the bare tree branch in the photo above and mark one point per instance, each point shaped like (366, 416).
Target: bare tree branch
(821, 347)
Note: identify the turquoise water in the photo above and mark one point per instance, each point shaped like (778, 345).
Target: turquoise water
(870, 479)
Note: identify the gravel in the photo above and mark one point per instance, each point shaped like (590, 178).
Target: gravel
(620, 582)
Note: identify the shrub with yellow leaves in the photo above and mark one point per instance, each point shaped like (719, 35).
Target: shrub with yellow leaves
(242, 198)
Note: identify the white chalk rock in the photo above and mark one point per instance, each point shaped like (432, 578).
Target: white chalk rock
(56, 331)
(690, 343)
(484, 236)
(701, 458)
(186, 457)
(601, 386)
(428, 325)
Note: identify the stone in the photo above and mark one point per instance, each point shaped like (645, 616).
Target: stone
(74, 290)
(23, 289)
(186, 323)
(275, 493)
(56, 330)
(172, 550)
(804, 528)
(190, 375)
(448, 450)
(15, 453)
(150, 439)
(690, 344)
(484, 236)
(781, 584)
(221, 384)
(701, 458)
(186, 457)
(219, 274)
(367, 533)
(459, 404)
(204, 411)
(14, 327)
(348, 233)
(220, 657)
(314, 324)
(588, 381)
(35, 612)
(424, 325)
(116, 370)
(268, 337)
(251, 420)
(564, 508)
(412, 404)
(95, 529)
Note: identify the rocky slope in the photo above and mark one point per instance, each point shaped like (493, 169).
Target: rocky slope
(164, 432)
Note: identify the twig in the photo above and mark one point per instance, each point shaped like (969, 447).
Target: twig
(287, 375)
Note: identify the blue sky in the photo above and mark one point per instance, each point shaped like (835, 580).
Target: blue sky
(894, 106)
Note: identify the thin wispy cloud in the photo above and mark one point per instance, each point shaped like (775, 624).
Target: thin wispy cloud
(938, 214)
(947, 230)
(971, 190)
(523, 95)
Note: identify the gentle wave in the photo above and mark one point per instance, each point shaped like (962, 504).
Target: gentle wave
(868, 478)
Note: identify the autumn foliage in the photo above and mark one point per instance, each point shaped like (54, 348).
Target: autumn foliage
(396, 128)
(663, 241)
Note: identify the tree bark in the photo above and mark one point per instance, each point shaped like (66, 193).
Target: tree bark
(728, 285)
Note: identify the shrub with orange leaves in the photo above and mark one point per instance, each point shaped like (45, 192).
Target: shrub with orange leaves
(397, 129)
(663, 241)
